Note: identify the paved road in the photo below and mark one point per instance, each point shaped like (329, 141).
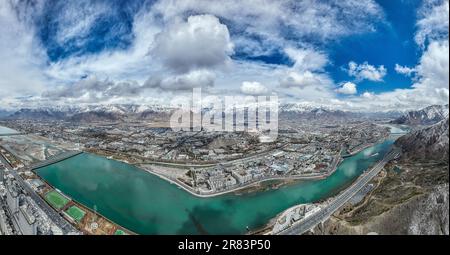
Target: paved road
(54, 216)
(333, 206)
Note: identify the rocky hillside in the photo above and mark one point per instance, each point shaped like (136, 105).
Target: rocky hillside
(426, 116)
(428, 143)
(410, 197)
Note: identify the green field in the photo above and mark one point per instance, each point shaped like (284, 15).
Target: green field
(76, 213)
(120, 232)
(56, 200)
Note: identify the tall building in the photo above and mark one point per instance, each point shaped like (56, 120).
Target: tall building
(25, 218)
(12, 194)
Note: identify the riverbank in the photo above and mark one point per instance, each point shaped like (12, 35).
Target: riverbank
(352, 153)
(248, 185)
(147, 204)
(359, 149)
(326, 210)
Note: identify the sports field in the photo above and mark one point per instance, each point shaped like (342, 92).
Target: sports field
(120, 232)
(56, 200)
(76, 213)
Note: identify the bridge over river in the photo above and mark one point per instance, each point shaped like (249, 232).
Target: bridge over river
(55, 159)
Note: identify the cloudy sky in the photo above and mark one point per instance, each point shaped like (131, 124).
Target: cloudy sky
(354, 55)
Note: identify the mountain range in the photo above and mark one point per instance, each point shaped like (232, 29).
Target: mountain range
(115, 112)
(142, 112)
(427, 116)
(91, 113)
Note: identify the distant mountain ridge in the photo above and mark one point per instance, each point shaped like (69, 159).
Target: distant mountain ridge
(116, 112)
(89, 113)
(4, 113)
(427, 116)
(327, 113)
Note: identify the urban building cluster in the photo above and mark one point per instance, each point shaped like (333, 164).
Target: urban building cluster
(215, 162)
(19, 213)
(294, 215)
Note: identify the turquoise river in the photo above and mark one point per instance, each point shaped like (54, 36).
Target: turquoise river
(7, 131)
(146, 204)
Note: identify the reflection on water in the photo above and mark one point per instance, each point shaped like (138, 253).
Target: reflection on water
(369, 152)
(350, 168)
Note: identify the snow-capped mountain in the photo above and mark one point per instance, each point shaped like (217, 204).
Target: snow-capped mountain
(90, 112)
(302, 107)
(307, 111)
(427, 143)
(116, 112)
(426, 116)
(4, 113)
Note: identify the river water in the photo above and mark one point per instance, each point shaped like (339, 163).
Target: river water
(7, 131)
(146, 204)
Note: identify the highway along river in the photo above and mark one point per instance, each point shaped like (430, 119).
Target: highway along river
(147, 204)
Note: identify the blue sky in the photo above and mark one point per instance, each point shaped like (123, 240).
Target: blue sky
(392, 43)
(341, 54)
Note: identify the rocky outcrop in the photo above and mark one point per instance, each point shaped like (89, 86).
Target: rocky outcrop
(428, 143)
(425, 214)
(429, 215)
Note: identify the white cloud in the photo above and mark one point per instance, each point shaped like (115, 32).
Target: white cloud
(265, 17)
(133, 63)
(200, 42)
(76, 18)
(431, 84)
(433, 69)
(94, 90)
(21, 57)
(191, 48)
(253, 88)
(433, 23)
(430, 87)
(348, 88)
(367, 95)
(365, 71)
(200, 45)
(186, 81)
(307, 59)
(404, 70)
(304, 79)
